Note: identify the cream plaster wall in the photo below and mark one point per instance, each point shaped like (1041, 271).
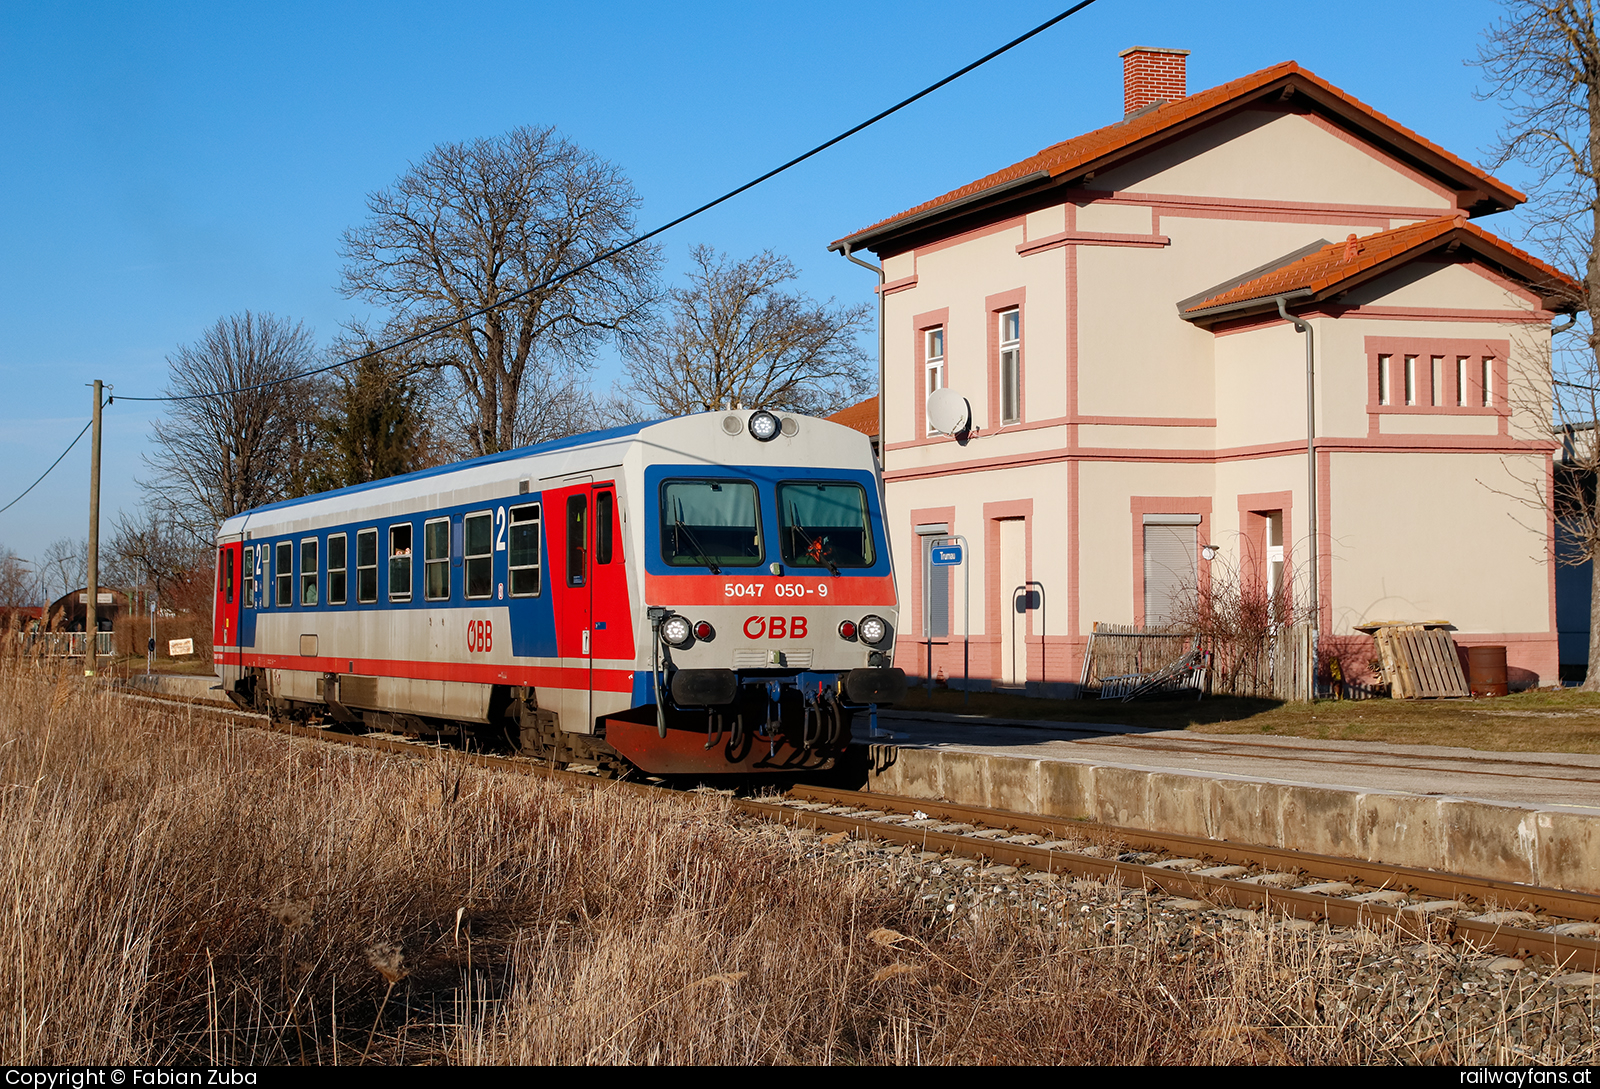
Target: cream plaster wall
(1115, 218)
(1423, 536)
(1261, 386)
(1270, 155)
(1443, 424)
(1047, 221)
(1435, 284)
(899, 266)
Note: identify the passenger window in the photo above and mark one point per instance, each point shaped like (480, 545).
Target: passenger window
(283, 571)
(367, 566)
(247, 573)
(603, 503)
(308, 571)
(400, 562)
(480, 554)
(337, 561)
(524, 557)
(436, 561)
(577, 538)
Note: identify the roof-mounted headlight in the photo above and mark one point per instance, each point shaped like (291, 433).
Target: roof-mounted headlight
(764, 426)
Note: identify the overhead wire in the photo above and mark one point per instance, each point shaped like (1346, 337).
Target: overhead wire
(53, 464)
(435, 330)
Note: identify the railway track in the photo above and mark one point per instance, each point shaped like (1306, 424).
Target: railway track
(1560, 926)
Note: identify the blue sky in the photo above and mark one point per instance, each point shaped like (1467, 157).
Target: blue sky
(161, 166)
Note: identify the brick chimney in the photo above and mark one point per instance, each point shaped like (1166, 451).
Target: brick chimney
(1152, 75)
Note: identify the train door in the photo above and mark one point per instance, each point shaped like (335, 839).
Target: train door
(610, 619)
(225, 612)
(576, 597)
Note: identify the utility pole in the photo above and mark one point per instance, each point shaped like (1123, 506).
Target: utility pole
(91, 660)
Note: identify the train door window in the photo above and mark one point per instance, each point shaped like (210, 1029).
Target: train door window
(524, 559)
(283, 571)
(227, 576)
(436, 559)
(400, 562)
(367, 566)
(338, 560)
(577, 538)
(308, 571)
(604, 503)
(480, 554)
(247, 578)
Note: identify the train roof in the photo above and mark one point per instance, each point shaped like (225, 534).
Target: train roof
(410, 485)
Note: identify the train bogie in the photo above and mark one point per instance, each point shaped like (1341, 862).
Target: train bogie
(707, 594)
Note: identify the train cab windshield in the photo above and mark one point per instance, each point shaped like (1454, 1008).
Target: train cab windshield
(710, 523)
(824, 525)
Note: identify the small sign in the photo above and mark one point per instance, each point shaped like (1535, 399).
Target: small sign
(102, 597)
(176, 648)
(945, 555)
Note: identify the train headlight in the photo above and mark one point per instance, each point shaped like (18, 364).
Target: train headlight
(847, 629)
(873, 629)
(764, 426)
(675, 630)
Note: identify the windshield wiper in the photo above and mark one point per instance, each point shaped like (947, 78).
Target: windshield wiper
(814, 548)
(698, 551)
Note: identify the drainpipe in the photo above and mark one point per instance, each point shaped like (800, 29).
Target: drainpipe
(1302, 326)
(883, 445)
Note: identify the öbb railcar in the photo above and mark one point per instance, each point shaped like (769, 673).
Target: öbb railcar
(707, 594)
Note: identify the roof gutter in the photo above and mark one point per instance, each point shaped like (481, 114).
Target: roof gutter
(861, 239)
(1264, 302)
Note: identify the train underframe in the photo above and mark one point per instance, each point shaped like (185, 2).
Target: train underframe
(769, 726)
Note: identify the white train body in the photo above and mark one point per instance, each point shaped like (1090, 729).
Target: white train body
(543, 595)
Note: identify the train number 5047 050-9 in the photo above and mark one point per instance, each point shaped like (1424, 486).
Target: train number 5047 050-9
(780, 589)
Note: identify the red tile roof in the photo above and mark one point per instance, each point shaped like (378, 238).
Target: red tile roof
(1080, 153)
(1335, 265)
(863, 416)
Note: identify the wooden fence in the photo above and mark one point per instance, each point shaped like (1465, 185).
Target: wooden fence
(1278, 665)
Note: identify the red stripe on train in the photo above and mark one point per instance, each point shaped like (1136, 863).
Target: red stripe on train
(571, 677)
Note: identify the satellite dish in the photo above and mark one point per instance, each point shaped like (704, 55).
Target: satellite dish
(948, 412)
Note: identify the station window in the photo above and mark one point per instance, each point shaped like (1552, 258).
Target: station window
(436, 559)
(480, 555)
(400, 562)
(308, 571)
(283, 571)
(338, 560)
(932, 366)
(248, 578)
(1010, 366)
(367, 566)
(525, 551)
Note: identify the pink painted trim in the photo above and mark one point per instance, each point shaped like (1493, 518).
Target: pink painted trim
(1063, 421)
(1550, 538)
(1424, 349)
(1090, 238)
(895, 286)
(1011, 223)
(1324, 541)
(994, 306)
(921, 516)
(1421, 313)
(1074, 556)
(1170, 204)
(1009, 510)
(1253, 534)
(1141, 505)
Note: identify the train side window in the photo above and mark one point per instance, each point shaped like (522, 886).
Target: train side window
(247, 573)
(367, 566)
(577, 538)
(480, 554)
(524, 560)
(338, 560)
(436, 559)
(308, 571)
(603, 502)
(227, 576)
(283, 571)
(400, 562)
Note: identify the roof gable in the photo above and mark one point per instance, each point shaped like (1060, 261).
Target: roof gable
(1287, 85)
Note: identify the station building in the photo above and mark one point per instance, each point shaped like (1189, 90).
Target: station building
(1109, 312)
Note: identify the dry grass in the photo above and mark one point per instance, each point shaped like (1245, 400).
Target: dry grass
(178, 891)
(1535, 721)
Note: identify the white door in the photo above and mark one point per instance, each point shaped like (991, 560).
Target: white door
(1013, 602)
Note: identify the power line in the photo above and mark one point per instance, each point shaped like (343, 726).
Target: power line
(628, 245)
(46, 473)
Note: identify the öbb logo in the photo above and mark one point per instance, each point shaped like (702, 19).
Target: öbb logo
(480, 636)
(775, 627)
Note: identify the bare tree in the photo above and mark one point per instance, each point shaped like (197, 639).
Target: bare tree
(19, 585)
(1542, 62)
(734, 338)
(223, 452)
(477, 222)
(148, 549)
(64, 567)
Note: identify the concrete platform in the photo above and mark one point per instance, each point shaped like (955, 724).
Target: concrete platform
(186, 685)
(1527, 817)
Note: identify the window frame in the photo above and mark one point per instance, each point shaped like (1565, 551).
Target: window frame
(1009, 363)
(760, 525)
(483, 558)
(362, 599)
(343, 570)
(310, 581)
(1455, 387)
(408, 558)
(537, 566)
(283, 580)
(247, 578)
(428, 561)
(934, 376)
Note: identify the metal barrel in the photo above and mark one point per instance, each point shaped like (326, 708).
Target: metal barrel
(1486, 670)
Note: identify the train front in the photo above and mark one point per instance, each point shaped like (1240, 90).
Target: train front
(771, 614)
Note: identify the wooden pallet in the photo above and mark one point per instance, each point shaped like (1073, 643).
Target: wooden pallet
(1419, 662)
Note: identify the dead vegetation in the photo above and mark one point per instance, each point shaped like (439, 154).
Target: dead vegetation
(183, 892)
